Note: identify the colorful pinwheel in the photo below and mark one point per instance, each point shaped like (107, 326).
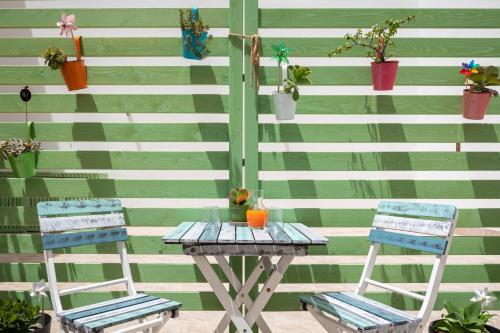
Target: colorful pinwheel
(67, 25)
(281, 52)
(469, 69)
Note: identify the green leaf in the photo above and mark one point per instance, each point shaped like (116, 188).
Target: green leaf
(472, 311)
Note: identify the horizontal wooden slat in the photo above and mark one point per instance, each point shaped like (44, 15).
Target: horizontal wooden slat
(43, 103)
(438, 228)
(379, 133)
(342, 18)
(380, 161)
(61, 241)
(417, 209)
(437, 246)
(405, 47)
(119, 75)
(99, 47)
(78, 207)
(80, 222)
(120, 132)
(107, 17)
(176, 235)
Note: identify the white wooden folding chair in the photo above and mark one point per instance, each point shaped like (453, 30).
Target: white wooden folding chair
(352, 312)
(61, 224)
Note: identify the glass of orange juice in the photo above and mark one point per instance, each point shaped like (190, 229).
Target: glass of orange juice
(257, 213)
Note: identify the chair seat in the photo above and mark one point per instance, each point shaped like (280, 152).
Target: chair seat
(361, 313)
(96, 317)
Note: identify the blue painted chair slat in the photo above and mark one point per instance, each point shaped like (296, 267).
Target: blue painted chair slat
(100, 309)
(98, 325)
(59, 241)
(105, 303)
(417, 209)
(431, 245)
(65, 223)
(375, 310)
(78, 207)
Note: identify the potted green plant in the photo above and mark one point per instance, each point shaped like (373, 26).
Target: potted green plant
(239, 204)
(194, 34)
(476, 94)
(376, 41)
(285, 101)
(22, 153)
(468, 319)
(74, 72)
(18, 316)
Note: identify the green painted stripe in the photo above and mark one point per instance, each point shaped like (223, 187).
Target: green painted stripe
(110, 47)
(382, 189)
(189, 273)
(197, 301)
(202, 132)
(380, 161)
(404, 47)
(113, 160)
(379, 132)
(432, 76)
(349, 18)
(44, 103)
(107, 17)
(18, 243)
(20, 218)
(108, 188)
(382, 104)
(123, 75)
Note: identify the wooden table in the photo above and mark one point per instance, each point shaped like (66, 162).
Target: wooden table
(236, 239)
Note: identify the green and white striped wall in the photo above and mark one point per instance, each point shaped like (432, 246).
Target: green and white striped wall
(164, 135)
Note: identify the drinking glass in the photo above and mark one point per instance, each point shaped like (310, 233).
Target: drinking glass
(275, 220)
(211, 217)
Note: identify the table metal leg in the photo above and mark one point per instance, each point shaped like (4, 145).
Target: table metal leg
(231, 308)
(242, 296)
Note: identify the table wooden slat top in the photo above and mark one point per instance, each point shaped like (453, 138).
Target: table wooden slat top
(239, 233)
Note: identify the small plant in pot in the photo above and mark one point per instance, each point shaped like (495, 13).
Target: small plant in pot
(376, 41)
(476, 93)
(239, 204)
(74, 72)
(285, 101)
(468, 319)
(18, 316)
(194, 34)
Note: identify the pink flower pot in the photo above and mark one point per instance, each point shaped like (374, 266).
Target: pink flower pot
(384, 75)
(475, 104)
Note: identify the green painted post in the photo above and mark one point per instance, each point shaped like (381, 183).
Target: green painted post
(235, 115)
(251, 120)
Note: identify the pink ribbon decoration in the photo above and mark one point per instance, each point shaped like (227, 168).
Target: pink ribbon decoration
(67, 25)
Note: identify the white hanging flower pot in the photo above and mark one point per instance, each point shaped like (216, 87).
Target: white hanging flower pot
(284, 105)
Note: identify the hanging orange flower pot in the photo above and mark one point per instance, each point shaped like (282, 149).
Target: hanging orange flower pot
(74, 72)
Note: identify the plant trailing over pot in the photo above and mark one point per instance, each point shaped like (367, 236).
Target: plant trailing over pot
(74, 72)
(17, 316)
(194, 34)
(285, 102)
(477, 95)
(239, 204)
(376, 41)
(22, 153)
(468, 319)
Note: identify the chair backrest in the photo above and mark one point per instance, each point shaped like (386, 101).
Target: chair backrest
(63, 224)
(415, 226)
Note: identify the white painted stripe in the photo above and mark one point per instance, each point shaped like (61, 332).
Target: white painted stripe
(123, 89)
(143, 118)
(363, 61)
(402, 33)
(127, 61)
(137, 146)
(279, 4)
(376, 119)
(57, 4)
(368, 90)
(105, 32)
(173, 202)
(379, 175)
(141, 174)
(375, 147)
(373, 203)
